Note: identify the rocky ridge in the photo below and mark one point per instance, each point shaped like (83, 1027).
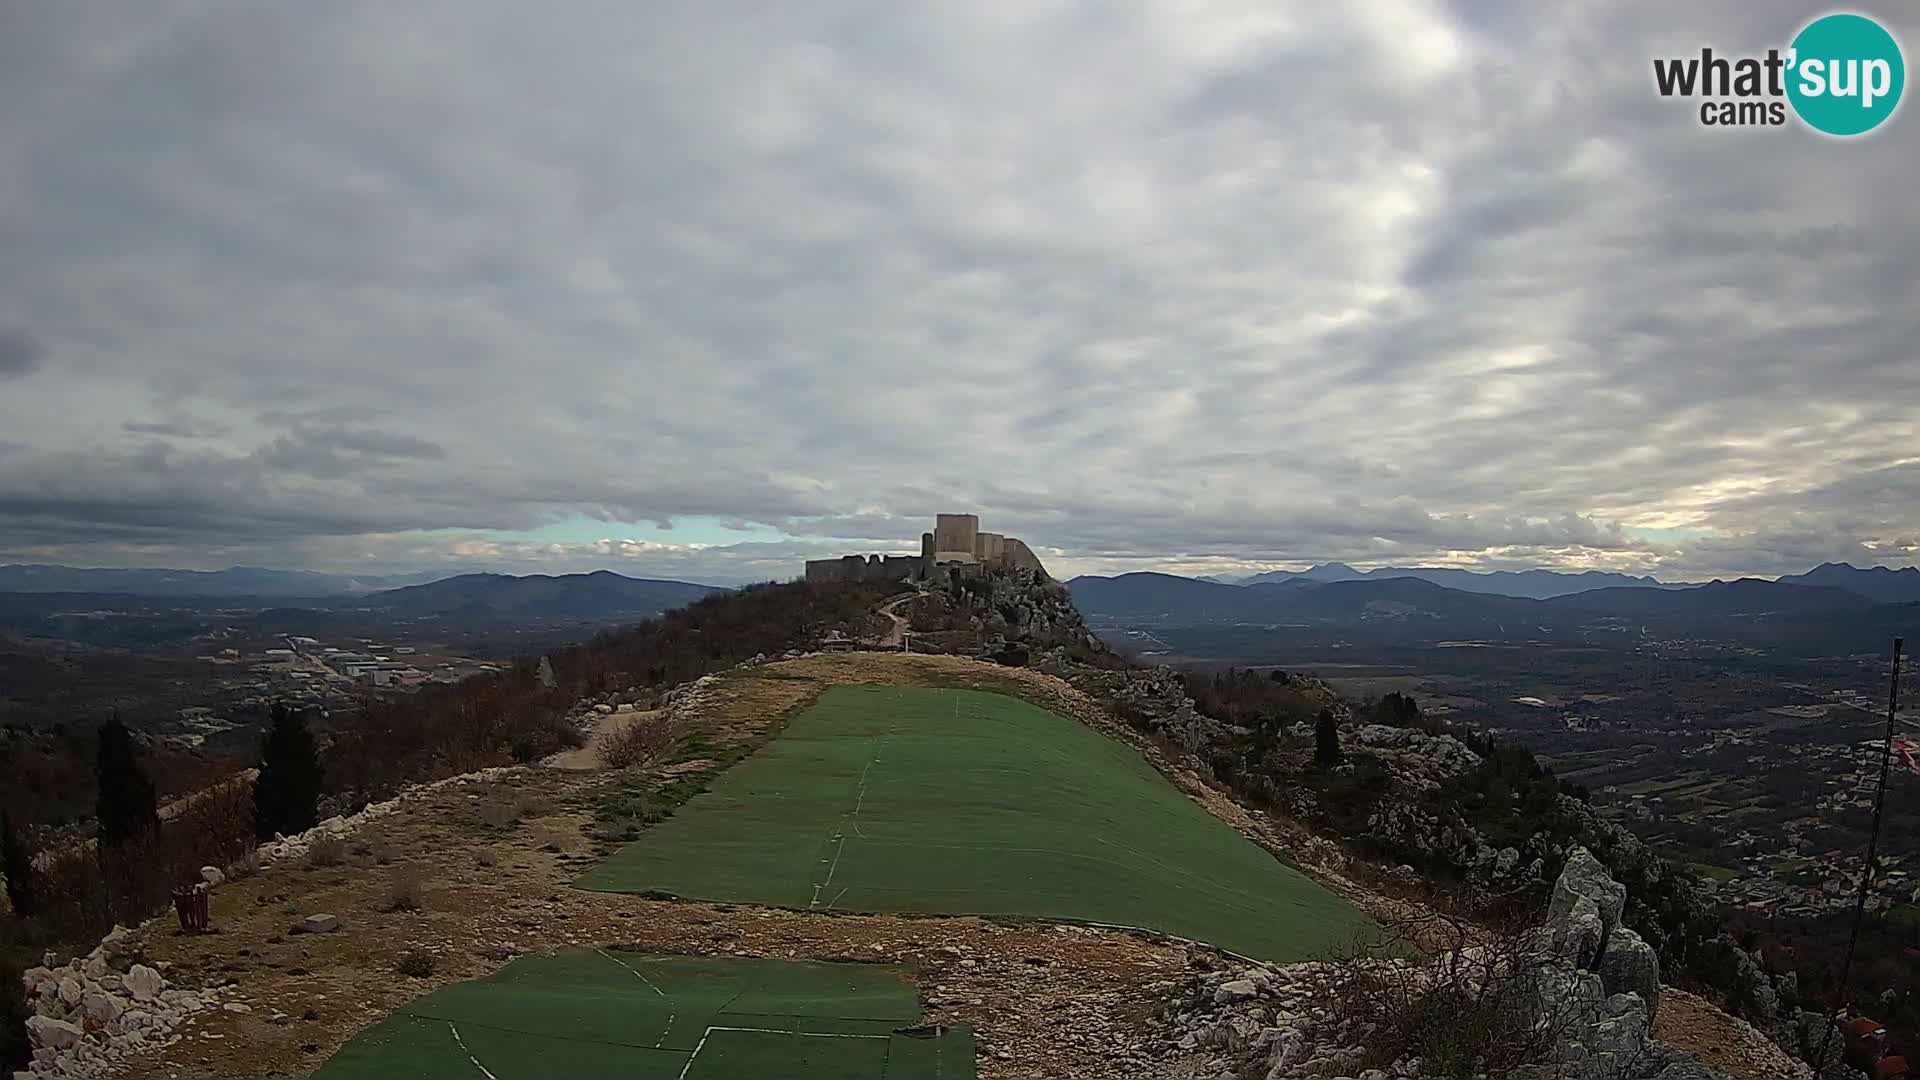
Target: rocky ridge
(1586, 979)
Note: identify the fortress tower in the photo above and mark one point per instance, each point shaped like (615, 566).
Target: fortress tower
(955, 537)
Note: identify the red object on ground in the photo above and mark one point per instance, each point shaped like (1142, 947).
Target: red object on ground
(1892, 1067)
(191, 905)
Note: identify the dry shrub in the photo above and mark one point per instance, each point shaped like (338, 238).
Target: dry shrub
(326, 850)
(247, 865)
(639, 743)
(485, 857)
(528, 807)
(405, 892)
(495, 814)
(416, 963)
(1472, 1006)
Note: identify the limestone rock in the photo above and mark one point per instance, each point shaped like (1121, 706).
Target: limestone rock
(144, 983)
(1577, 937)
(212, 876)
(1227, 993)
(70, 991)
(100, 1007)
(1587, 876)
(53, 1034)
(1629, 965)
(320, 924)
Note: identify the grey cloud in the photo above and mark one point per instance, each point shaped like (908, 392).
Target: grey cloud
(174, 427)
(1395, 281)
(20, 353)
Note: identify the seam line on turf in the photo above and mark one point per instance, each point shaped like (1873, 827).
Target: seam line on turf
(469, 1053)
(671, 1015)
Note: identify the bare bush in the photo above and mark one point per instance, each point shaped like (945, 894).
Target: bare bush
(1480, 1002)
(640, 742)
(495, 814)
(528, 807)
(485, 857)
(416, 963)
(405, 892)
(326, 850)
(247, 865)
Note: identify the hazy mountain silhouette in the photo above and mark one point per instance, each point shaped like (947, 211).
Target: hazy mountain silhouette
(1533, 584)
(1875, 583)
(596, 595)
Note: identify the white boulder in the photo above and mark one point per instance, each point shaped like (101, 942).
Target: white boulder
(53, 1034)
(144, 983)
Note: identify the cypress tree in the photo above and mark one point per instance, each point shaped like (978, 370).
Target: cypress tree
(1326, 740)
(125, 804)
(286, 797)
(17, 864)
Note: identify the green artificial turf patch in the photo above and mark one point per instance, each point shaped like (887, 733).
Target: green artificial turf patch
(908, 799)
(615, 1013)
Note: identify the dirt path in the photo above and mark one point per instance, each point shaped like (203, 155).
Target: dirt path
(891, 609)
(587, 755)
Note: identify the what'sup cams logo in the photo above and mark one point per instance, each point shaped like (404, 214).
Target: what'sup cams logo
(1842, 76)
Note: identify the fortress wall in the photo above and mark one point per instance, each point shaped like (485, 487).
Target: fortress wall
(1019, 554)
(989, 546)
(864, 568)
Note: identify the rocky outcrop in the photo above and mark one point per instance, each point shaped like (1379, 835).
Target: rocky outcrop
(93, 1012)
(1588, 986)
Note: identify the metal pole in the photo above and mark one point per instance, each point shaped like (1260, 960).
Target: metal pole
(1873, 847)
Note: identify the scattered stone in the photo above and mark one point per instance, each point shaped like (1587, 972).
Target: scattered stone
(320, 924)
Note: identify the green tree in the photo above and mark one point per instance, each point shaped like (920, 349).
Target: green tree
(16, 1048)
(286, 797)
(124, 806)
(1397, 710)
(1326, 740)
(17, 864)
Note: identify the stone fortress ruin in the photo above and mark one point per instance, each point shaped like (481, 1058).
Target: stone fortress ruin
(956, 545)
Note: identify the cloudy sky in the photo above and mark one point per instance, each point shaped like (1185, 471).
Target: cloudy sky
(702, 288)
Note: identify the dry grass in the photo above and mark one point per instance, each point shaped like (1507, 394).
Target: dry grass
(405, 892)
(326, 850)
(495, 814)
(640, 742)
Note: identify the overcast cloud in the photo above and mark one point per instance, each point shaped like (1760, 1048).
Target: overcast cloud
(1205, 286)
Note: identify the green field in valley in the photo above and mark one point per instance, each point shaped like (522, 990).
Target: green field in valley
(903, 799)
(614, 1013)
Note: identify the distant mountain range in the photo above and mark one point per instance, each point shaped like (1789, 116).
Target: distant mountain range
(233, 581)
(1832, 590)
(588, 596)
(1876, 582)
(599, 595)
(1533, 584)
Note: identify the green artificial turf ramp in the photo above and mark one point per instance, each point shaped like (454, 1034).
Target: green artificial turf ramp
(909, 799)
(615, 1013)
